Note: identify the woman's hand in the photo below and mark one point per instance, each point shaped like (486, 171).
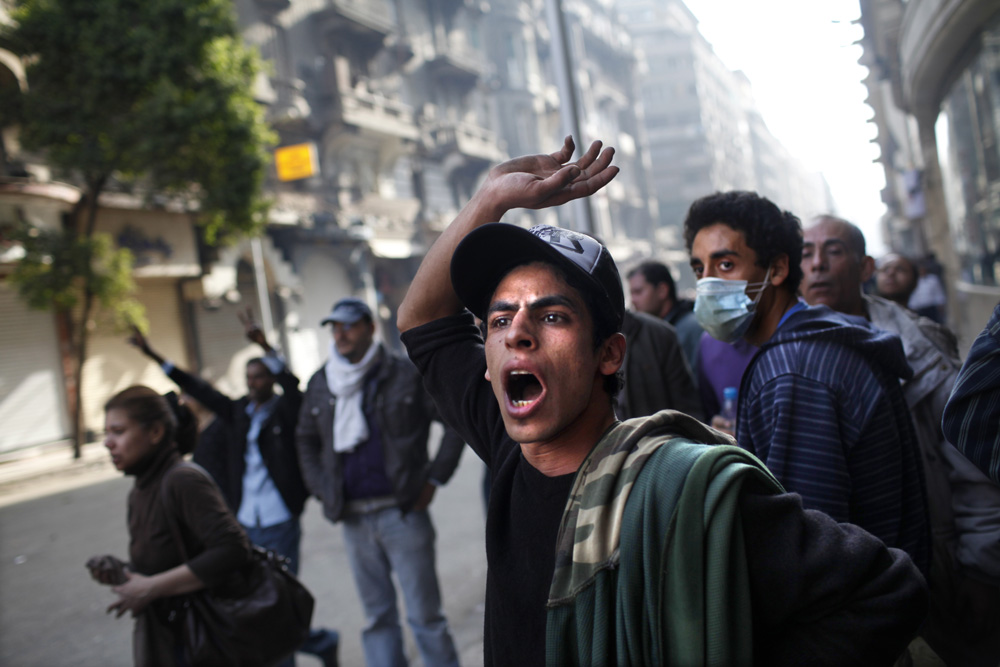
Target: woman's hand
(138, 590)
(134, 595)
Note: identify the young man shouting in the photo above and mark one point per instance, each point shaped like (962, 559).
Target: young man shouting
(610, 542)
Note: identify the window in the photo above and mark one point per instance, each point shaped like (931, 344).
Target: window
(969, 153)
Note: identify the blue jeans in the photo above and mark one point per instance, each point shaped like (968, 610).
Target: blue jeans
(284, 538)
(377, 544)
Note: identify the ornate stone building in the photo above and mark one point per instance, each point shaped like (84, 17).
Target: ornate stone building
(934, 72)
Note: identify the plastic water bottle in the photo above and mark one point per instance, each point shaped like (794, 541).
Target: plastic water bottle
(729, 395)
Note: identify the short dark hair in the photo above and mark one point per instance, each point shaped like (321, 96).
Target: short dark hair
(655, 273)
(768, 230)
(260, 362)
(148, 408)
(186, 435)
(603, 320)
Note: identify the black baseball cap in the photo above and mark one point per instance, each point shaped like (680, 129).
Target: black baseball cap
(488, 253)
(348, 311)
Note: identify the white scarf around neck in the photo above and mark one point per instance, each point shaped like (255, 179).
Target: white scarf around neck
(345, 381)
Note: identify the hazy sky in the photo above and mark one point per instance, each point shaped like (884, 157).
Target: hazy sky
(802, 61)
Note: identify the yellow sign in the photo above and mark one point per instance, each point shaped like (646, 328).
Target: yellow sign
(296, 162)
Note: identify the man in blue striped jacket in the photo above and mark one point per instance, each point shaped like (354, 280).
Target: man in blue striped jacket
(820, 403)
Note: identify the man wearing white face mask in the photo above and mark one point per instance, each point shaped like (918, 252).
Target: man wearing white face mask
(820, 404)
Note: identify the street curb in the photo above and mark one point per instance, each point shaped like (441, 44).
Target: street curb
(41, 470)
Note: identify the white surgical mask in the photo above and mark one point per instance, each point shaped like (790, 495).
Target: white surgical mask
(724, 309)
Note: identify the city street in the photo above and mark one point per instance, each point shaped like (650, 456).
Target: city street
(52, 613)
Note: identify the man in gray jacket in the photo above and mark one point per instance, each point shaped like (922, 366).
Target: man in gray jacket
(963, 505)
(362, 440)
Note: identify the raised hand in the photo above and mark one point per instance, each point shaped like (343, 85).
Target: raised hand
(252, 329)
(138, 340)
(540, 181)
(532, 181)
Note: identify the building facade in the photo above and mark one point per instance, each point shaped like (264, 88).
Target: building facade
(935, 68)
(703, 128)
(392, 111)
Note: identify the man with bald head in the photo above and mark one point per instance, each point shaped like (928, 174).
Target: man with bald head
(964, 507)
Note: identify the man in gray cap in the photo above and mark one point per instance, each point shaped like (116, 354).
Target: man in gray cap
(362, 440)
(648, 541)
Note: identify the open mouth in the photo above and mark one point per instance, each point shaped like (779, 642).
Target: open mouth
(523, 388)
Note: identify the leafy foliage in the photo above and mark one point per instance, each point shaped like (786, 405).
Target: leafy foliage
(154, 91)
(56, 265)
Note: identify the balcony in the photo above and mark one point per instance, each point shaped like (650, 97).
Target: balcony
(376, 114)
(450, 7)
(289, 111)
(355, 104)
(456, 62)
(935, 35)
(465, 139)
(366, 22)
(273, 7)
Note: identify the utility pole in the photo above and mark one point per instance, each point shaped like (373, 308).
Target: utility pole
(263, 295)
(569, 110)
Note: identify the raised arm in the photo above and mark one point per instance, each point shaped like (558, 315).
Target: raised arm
(139, 341)
(532, 181)
(253, 331)
(292, 397)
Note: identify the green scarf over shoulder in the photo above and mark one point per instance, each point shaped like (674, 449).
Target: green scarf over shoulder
(650, 563)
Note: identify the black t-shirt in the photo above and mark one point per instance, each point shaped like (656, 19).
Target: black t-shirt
(525, 506)
(522, 522)
(821, 592)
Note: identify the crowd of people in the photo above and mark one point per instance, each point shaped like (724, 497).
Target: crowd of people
(793, 468)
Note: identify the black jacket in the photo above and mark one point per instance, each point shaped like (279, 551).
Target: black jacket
(657, 376)
(276, 440)
(404, 411)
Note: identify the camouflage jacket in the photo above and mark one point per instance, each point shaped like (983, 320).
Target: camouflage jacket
(590, 529)
(650, 563)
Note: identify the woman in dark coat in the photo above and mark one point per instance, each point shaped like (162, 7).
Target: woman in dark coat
(144, 441)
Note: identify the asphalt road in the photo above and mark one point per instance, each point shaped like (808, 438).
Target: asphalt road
(52, 613)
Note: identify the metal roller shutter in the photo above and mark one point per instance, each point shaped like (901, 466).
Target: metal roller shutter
(32, 398)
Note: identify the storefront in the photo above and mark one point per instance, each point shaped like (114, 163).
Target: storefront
(967, 133)
(32, 395)
(32, 400)
(164, 246)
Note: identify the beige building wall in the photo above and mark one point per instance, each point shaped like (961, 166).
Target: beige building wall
(112, 364)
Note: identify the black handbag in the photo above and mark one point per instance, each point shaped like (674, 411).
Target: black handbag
(257, 618)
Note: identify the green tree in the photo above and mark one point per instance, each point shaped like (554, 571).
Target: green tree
(153, 94)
